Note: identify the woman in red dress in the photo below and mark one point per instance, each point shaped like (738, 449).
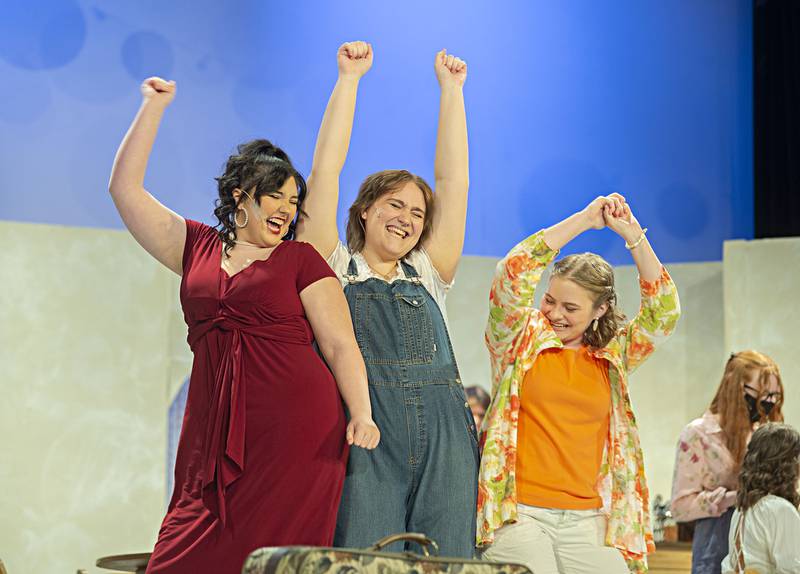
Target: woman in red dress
(264, 444)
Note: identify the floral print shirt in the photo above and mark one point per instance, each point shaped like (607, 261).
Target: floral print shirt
(515, 334)
(704, 471)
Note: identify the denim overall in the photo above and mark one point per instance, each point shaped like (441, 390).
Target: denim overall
(710, 543)
(422, 477)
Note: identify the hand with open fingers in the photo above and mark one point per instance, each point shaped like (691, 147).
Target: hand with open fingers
(158, 90)
(450, 70)
(596, 210)
(354, 59)
(362, 431)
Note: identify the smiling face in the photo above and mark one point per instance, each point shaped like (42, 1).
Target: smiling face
(268, 219)
(570, 310)
(393, 224)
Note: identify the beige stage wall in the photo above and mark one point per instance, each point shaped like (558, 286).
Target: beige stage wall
(92, 348)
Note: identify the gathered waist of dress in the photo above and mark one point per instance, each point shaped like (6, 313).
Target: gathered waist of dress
(290, 331)
(224, 443)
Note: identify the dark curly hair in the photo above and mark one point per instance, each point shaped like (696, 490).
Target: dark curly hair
(258, 167)
(596, 275)
(770, 466)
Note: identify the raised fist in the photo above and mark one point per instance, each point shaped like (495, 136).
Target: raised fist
(158, 90)
(354, 59)
(450, 69)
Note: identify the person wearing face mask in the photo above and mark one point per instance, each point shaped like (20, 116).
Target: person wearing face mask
(562, 486)
(403, 246)
(711, 448)
(263, 447)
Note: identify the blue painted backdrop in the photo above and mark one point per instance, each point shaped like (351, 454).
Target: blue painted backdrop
(565, 101)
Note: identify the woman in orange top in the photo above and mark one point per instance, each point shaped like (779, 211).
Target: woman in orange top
(560, 437)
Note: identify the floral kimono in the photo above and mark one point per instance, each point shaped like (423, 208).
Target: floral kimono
(515, 334)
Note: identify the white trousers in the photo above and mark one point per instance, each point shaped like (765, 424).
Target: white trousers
(552, 541)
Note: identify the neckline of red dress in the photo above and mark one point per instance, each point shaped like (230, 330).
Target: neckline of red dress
(229, 277)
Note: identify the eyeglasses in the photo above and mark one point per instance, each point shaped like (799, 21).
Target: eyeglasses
(772, 397)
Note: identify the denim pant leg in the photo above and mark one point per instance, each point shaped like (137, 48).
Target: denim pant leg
(710, 543)
(443, 504)
(378, 481)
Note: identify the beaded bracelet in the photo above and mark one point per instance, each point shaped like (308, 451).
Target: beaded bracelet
(636, 243)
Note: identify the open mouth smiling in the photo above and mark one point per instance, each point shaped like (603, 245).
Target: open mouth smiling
(275, 224)
(402, 234)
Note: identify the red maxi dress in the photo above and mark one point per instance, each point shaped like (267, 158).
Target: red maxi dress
(262, 452)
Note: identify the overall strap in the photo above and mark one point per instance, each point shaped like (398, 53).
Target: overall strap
(352, 271)
(410, 272)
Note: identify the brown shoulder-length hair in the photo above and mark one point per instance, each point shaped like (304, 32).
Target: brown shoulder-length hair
(771, 466)
(729, 404)
(374, 187)
(595, 275)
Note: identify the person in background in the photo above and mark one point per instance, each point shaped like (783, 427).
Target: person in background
(711, 448)
(478, 400)
(764, 537)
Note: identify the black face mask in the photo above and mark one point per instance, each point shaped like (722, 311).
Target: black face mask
(752, 407)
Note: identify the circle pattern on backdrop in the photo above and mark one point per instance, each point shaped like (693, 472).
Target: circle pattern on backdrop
(147, 53)
(41, 35)
(273, 114)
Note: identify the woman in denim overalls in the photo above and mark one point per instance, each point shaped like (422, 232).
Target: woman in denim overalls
(404, 246)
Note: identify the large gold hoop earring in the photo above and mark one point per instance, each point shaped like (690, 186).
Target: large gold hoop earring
(246, 218)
